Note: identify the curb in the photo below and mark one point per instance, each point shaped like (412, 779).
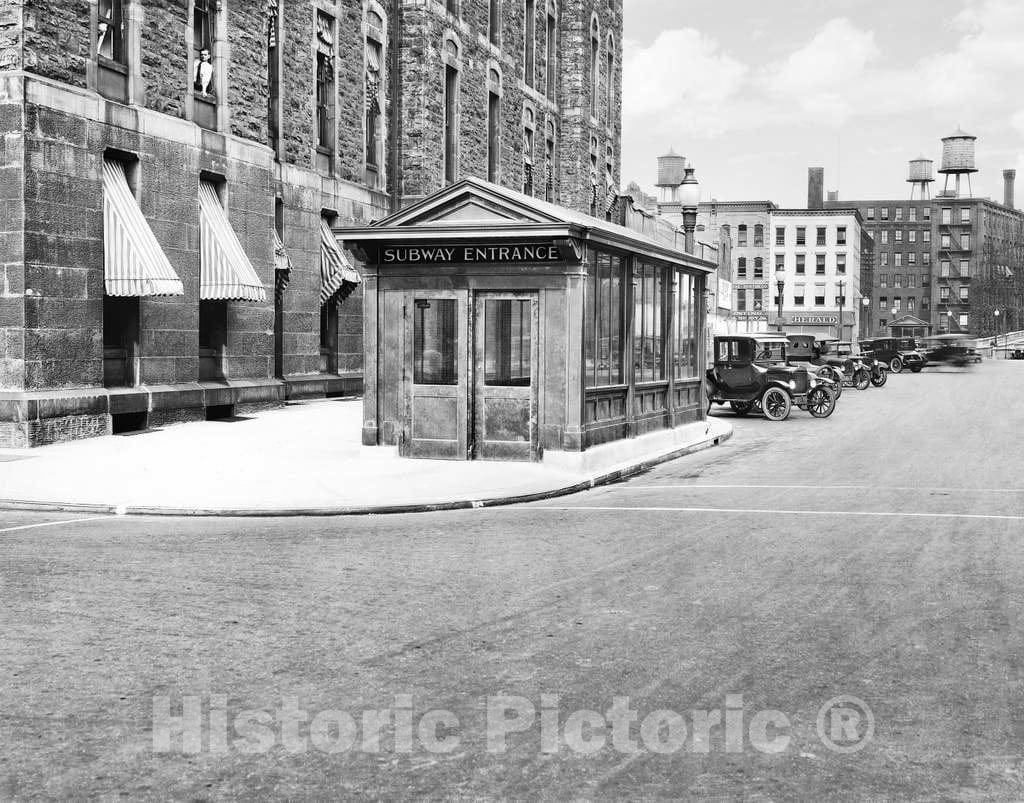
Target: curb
(370, 510)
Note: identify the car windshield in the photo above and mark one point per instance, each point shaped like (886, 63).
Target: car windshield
(770, 351)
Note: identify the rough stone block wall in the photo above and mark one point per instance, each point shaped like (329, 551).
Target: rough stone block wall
(422, 80)
(165, 43)
(11, 38)
(297, 84)
(12, 266)
(250, 346)
(248, 87)
(351, 92)
(63, 253)
(301, 346)
(57, 39)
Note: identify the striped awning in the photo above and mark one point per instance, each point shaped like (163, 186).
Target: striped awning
(337, 276)
(226, 272)
(133, 262)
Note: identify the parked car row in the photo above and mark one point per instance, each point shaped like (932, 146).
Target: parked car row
(752, 373)
(771, 372)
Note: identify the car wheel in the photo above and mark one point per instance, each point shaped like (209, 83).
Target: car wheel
(880, 378)
(775, 404)
(861, 380)
(741, 407)
(821, 402)
(832, 376)
(895, 365)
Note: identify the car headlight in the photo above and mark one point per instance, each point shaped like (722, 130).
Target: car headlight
(792, 384)
(813, 383)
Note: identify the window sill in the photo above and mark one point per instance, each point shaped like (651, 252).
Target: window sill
(110, 64)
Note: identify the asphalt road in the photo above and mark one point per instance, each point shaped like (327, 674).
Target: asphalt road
(678, 635)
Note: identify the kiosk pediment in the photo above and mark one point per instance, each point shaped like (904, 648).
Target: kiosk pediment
(472, 201)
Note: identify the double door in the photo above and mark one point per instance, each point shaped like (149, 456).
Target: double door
(471, 375)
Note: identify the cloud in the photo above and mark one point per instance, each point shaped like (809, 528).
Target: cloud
(684, 80)
(832, 61)
(989, 53)
(1017, 122)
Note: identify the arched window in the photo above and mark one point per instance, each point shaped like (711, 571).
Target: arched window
(529, 128)
(551, 44)
(493, 122)
(741, 267)
(595, 66)
(758, 235)
(609, 77)
(741, 234)
(549, 162)
(529, 42)
(375, 88)
(451, 57)
(494, 22)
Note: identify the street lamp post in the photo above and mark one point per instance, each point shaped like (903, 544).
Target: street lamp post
(689, 195)
(780, 284)
(865, 302)
(892, 321)
(842, 303)
(995, 314)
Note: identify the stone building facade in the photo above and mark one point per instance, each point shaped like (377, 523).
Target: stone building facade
(294, 114)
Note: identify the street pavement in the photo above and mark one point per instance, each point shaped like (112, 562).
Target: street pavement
(721, 602)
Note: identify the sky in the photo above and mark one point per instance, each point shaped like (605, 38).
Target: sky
(754, 92)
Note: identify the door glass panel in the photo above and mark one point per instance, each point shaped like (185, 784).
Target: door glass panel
(507, 342)
(435, 341)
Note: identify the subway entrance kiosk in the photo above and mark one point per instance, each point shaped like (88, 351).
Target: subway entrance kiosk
(500, 327)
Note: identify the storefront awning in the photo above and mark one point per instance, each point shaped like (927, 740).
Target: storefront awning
(133, 262)
(337, 276)
(226, 272)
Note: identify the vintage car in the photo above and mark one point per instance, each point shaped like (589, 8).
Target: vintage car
(951, 350)
(879, 372)
(1017, 354)
(750, 372)
(896, 352)
(811, 350)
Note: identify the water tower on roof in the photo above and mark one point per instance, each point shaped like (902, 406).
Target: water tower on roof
(671, 172)
(958, 160)
(920, 176)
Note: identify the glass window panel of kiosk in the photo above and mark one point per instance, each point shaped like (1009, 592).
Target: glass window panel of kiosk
(603, 321)
(507, 342)
(435, 341)
(686, 328)
(648, 317)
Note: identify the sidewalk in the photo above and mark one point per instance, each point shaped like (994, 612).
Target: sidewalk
(304, 459)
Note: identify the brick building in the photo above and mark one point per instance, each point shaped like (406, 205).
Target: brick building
(170, 170)
(943, 264)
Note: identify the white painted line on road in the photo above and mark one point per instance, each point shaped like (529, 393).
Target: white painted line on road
(51, 523)
(623, 509)
(915, 488)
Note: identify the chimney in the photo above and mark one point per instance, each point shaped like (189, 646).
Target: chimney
(1008, 178)
(815, 187)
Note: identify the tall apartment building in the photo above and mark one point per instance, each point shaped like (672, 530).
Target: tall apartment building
(745, 226)
(172, 172)
(944, 263)
(820, 254)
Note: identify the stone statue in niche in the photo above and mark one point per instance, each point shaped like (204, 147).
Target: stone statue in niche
(204, 73)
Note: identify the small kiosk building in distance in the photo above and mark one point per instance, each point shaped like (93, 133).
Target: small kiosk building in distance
(498, 326)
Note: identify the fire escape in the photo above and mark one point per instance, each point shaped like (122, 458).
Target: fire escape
(951, 304)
